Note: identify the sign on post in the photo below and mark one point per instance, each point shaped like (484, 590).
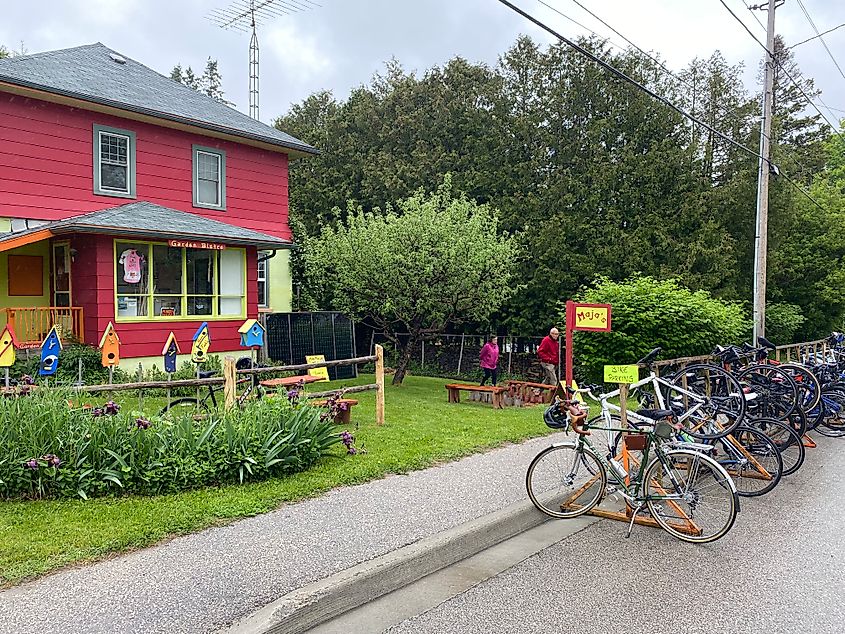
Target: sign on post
(323, 373)
(594, 317)
(621, 373)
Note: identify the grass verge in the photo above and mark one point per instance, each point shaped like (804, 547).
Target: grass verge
(421, 429)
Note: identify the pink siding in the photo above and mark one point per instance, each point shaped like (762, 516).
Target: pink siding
(46, 168)
(93, 290)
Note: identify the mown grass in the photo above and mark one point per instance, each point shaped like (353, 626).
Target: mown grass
(421, 429)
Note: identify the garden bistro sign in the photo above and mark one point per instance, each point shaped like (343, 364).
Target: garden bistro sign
(193, 244)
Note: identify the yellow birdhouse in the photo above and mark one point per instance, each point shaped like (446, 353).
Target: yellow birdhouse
(110, 347)
(8, 342)
(201, 344)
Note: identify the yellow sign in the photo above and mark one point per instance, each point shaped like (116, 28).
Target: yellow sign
(621, 373)
(592, 317)
(323, 373)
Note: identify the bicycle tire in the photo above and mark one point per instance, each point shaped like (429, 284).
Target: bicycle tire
(717, 486)
(185, 404)
(787, 440)
(725, 402)
(777, 393)
(760, 452)
(833, 414)
(809, 386)
(551, 480)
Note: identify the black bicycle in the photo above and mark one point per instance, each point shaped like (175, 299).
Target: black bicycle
(200, 407)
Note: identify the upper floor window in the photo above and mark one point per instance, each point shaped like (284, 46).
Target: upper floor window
(263, 289)
(114, 162)
(209, 178)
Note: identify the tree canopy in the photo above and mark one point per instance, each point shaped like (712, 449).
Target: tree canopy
(433, 260)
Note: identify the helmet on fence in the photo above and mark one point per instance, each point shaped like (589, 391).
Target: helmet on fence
(555, 417)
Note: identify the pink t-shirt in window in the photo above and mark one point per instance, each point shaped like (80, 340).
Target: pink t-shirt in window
(131, 262)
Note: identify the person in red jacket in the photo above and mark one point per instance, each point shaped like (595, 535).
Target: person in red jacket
(549, 355)
(489, 360)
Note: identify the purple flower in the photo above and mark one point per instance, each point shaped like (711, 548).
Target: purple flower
(97, 412)
(111, 408)
(27, 380)
(31, 464)
(52, 460)
(142, 423)
(293, 394)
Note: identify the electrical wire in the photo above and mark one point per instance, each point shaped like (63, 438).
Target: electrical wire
(821, 39)
(781, 67)
(621, 75)
(810, 39)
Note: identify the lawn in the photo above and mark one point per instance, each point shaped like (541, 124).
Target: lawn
(421, 429)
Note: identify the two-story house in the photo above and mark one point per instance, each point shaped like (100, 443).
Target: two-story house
(127, 197)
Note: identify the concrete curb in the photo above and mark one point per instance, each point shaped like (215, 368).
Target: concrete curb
(321, 601)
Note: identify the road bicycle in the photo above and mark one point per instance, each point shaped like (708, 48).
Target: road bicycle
(199, 408)
(687, 493)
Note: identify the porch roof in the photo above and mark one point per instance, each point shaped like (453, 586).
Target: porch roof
(147, 220)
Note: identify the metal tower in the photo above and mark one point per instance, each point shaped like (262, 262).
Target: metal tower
(248, 15)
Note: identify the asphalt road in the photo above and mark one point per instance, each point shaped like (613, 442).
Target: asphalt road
(780, 570)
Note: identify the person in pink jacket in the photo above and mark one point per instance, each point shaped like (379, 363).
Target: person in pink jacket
(489, 359)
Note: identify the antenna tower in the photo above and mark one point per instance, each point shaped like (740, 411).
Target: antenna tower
(248, 15)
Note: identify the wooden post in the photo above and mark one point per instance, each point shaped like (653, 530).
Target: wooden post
(510, 355)
(380, 383)
(169, 379)
(7, 378)
(79, 370)
(111, 374)
(230, 381)
(623, 404)
(422, 356)
(461, 354)
(140, 390)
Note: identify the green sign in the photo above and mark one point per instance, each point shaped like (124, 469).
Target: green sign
(621, 373)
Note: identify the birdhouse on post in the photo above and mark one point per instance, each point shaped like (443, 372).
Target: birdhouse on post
(252, 334)
(110, 347)
(170, 350)
(51, 347)
(201, 344)
(8, 343)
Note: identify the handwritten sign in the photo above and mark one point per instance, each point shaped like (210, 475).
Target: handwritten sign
(592, 317)
(193, 244)
(323, 373)
(621, 373)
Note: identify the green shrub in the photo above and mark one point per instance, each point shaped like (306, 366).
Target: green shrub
(782, 322)
(51, 450)
(647, 313)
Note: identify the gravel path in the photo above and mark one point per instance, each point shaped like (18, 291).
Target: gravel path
(205, 581)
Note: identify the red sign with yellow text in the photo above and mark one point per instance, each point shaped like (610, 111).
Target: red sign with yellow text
(595, 317)
(196, 244)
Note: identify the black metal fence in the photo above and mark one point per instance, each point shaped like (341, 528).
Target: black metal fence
(293, 336)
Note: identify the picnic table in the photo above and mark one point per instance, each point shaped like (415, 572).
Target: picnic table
(290, 381)
(498, 393)
(529, 392)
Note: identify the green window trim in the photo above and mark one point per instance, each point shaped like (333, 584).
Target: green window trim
(146, 248)
(99, 132)
(221, 184)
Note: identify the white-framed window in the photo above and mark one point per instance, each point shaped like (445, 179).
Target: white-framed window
(263, 279)
(114, 162)
(209, 178)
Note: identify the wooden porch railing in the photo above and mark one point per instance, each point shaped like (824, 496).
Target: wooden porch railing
(32, 324)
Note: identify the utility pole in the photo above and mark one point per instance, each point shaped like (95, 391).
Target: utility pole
(761, 236)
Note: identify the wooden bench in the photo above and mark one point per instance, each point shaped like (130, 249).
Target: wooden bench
(343, 415)
(531, 393)
(497, 392)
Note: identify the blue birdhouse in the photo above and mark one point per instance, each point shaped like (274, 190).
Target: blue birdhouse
(170, 350)
(252, 334)
(51, 347)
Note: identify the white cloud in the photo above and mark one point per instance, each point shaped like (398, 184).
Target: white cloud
(295, 57)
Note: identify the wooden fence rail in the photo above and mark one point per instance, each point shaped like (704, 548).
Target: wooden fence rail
(230, 378)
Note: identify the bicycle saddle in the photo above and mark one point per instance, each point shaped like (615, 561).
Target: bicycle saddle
(655, 414)
(207, 374)
(650, 357)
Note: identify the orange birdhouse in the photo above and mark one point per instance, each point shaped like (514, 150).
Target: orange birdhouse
(110, 347)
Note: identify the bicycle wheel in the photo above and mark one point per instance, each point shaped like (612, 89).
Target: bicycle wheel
(751, 459)
(691, 496)
(833, 414)
(809, 387)
(186, 406)
(789, 443)
(560, 485)
(776, 392)
(717, 406)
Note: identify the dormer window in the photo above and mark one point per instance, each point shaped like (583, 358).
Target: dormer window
(209, 178)
(114, 162)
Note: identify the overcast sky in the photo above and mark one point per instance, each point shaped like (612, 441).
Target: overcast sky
(341, 43)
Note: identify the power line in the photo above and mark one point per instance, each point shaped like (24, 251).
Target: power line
(621, 75)
(821, 39)
(810, 39)
(781, 67)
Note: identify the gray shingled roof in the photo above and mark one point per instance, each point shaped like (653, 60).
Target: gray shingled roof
(147, 220)
(90, 73)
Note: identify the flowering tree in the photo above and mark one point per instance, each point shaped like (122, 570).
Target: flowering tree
(432, 261)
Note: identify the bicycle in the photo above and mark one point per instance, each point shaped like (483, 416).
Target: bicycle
(680, 486)
(199, 408)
